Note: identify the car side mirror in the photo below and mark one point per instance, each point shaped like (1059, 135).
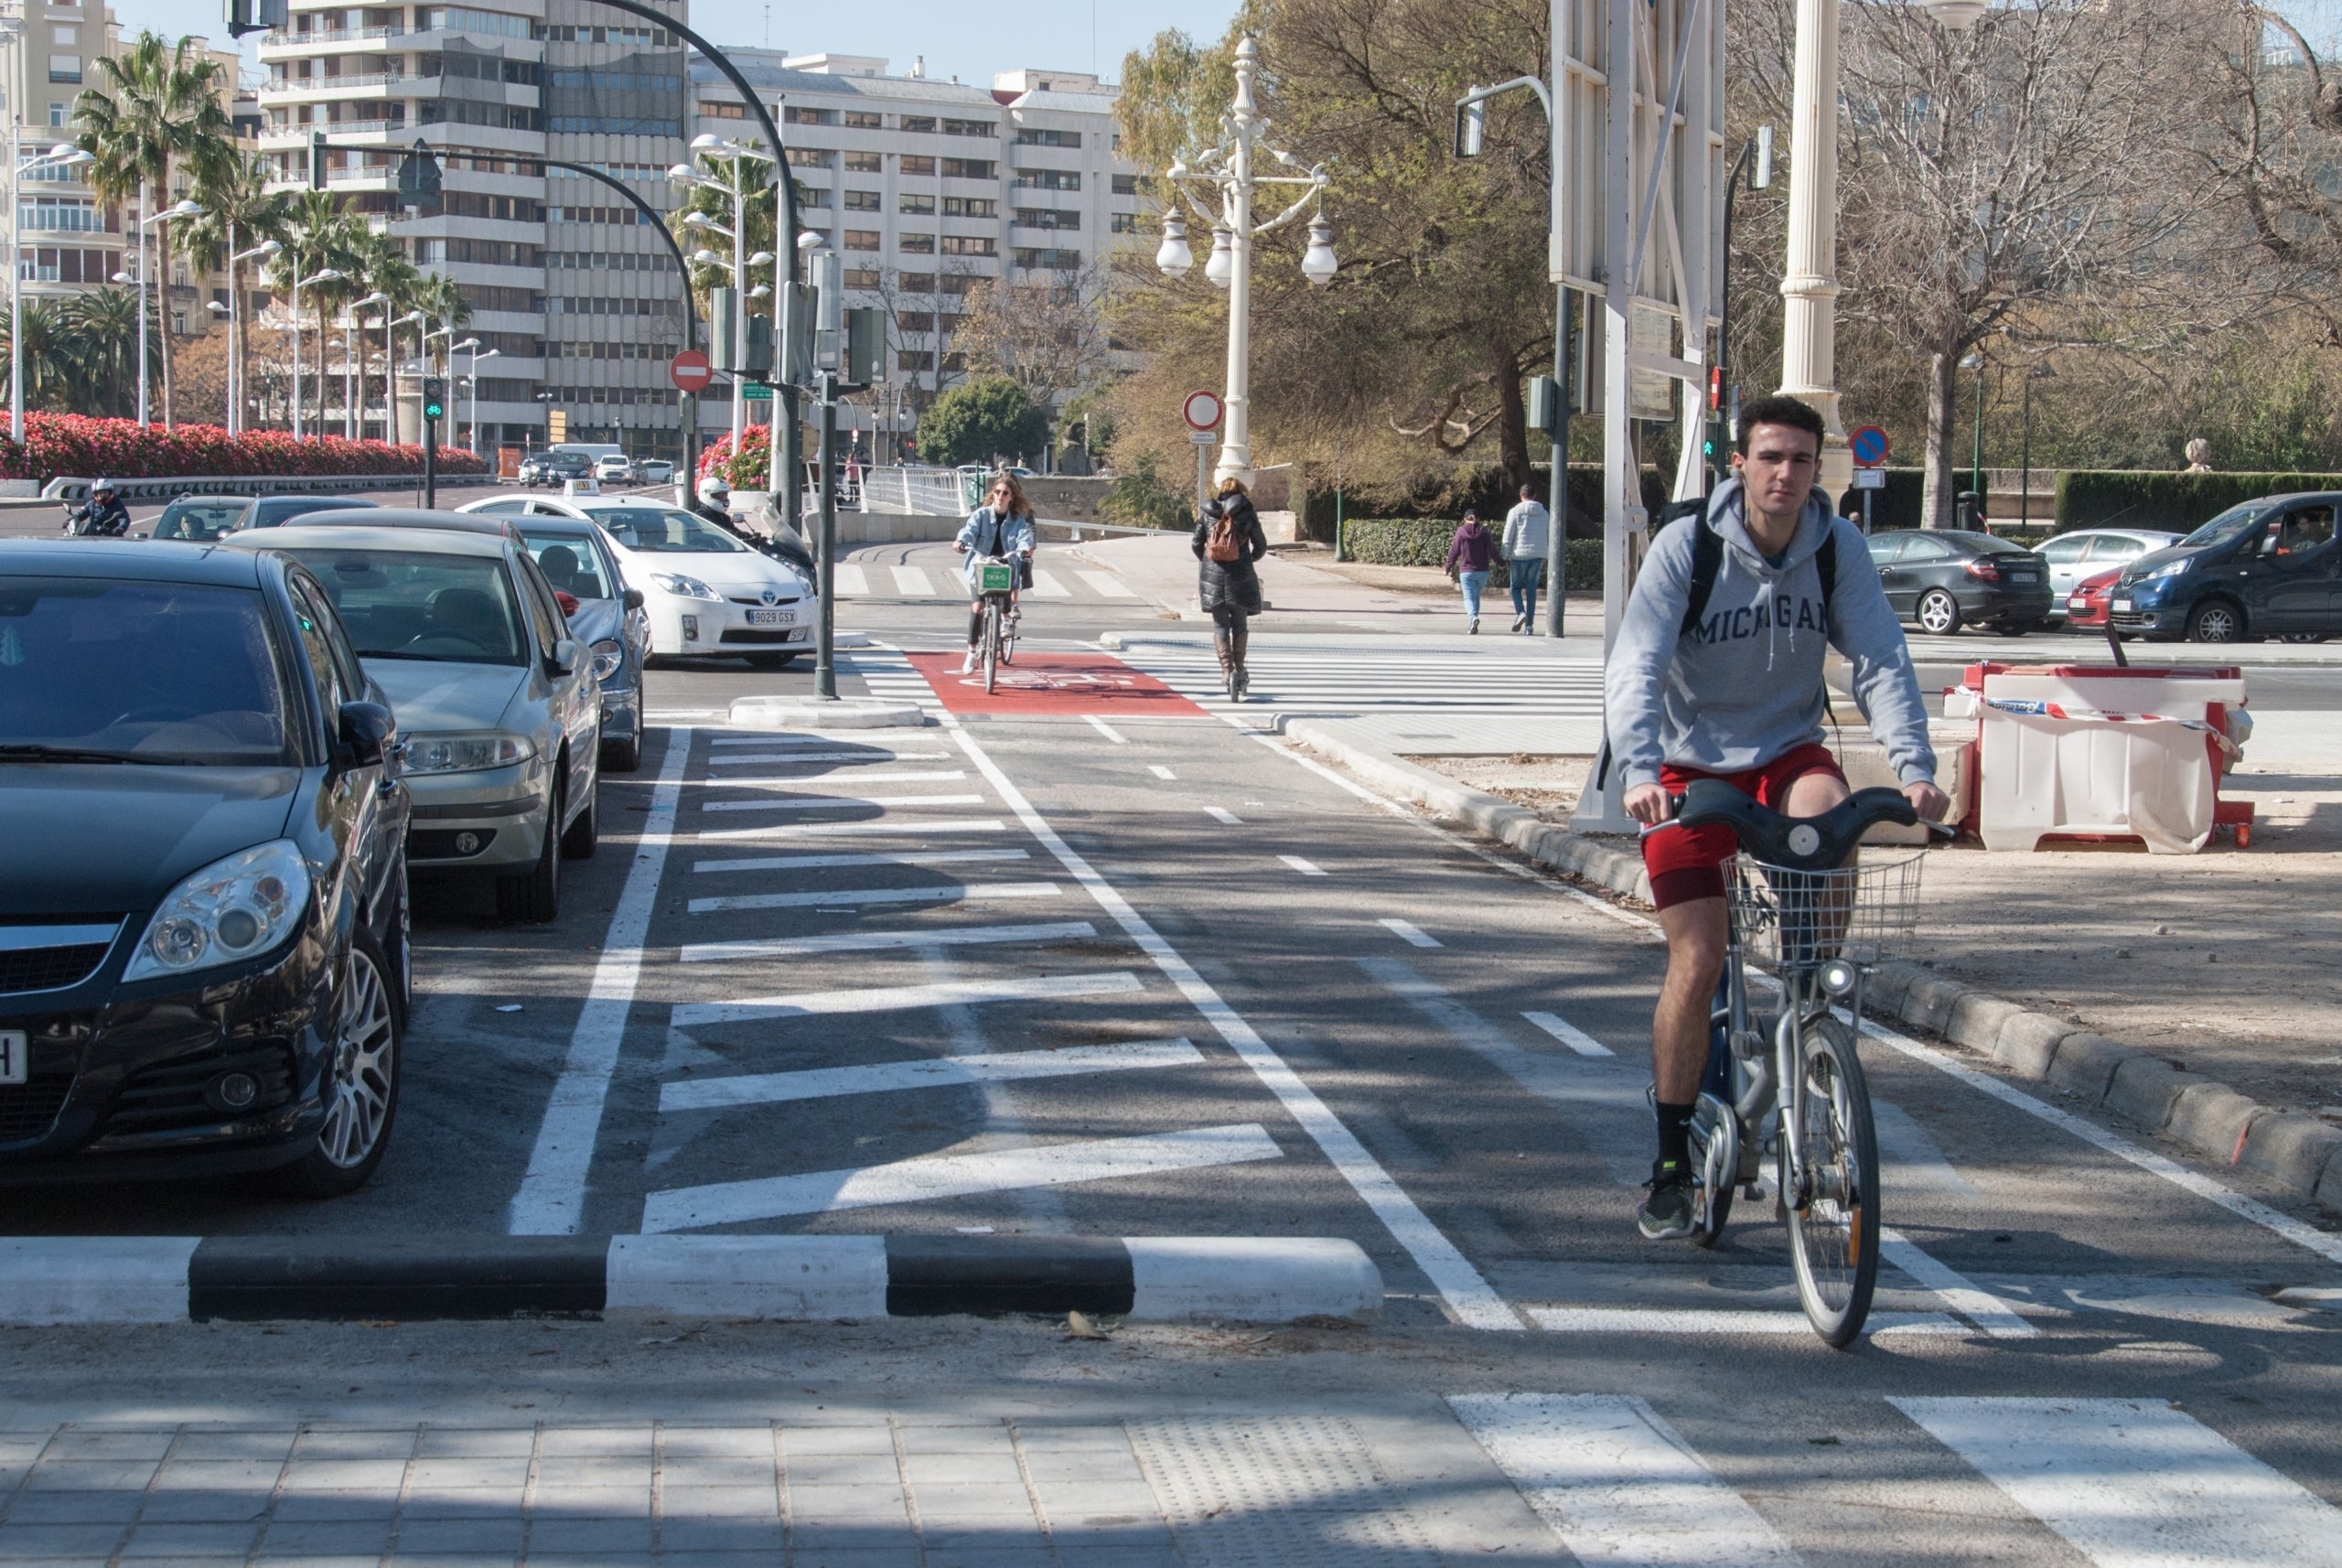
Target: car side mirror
(632, 599)
(566, 656)
(366, 731)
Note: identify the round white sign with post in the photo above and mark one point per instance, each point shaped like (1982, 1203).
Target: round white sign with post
(1202, 411)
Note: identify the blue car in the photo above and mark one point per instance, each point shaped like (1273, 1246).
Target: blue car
(2265, 568)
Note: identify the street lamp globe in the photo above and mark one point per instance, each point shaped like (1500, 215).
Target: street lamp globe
(1222, 265)
(1317, 262)
(682, 174)
(1174, 258)
(708, 258)
(761, 258)
(1958, 15)
(706, 141)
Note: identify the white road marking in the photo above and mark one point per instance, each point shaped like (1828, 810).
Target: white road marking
(1047, 585)
(1913, 1162)
(936, 1072)
(873, 941)
(1221, 814)
(1962, 1294)
(1720, 1320)
(1160, 771)
(2134, 1483)
(891, 825)
(1103, 727)
(1473, 1302)
(1617, 1484)
(848, 581)
(905, 998)
(802, 737)
(1412, 935)
(1107, 585)
(815, 862)
(911, 582)
(854, 774)
(2324, 1245)
(940, 893)
(552, 1197)
(837, 802)
(1569, 1034)
(956, 1175)
(743, 759)
(1303, 867)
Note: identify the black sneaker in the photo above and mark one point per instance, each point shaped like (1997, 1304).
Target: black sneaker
(1667, 1203)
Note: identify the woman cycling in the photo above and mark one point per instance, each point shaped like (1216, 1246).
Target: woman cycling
(1227, 540)
(1003, 529)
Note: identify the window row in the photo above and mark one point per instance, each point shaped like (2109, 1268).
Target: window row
(621, 81)
(565, 304)
(608, 125)
(660, 397)
(660, 351)
(47, 264)
(610, 261)
(627, 217)
(1045, 259)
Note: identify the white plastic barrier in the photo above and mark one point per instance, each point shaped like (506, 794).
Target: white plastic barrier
(2083, 752)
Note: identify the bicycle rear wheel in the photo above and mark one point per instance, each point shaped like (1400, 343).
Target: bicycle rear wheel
(1834, 1230)
(992, 645)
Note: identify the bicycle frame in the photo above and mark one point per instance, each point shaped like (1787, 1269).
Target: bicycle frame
(1756, 1078)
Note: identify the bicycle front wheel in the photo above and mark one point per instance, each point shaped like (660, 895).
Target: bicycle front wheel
(1833, 1205)
(991, 646)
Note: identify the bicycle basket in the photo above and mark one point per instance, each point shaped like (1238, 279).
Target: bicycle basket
(1788, 919)
(995, 577)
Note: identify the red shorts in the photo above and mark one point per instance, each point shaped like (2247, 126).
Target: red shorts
(1686, 862)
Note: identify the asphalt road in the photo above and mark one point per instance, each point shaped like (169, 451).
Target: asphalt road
(1097, 960)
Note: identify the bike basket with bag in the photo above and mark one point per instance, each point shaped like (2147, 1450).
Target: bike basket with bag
(1790, 919)
(995, 577)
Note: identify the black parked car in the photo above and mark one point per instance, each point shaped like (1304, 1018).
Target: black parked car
(1944, 579)
(556, 468)
(2269, 567)
(203, 889)
(275, 511)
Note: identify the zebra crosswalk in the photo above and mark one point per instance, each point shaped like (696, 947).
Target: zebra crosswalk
(1313, 675)
(866, 580)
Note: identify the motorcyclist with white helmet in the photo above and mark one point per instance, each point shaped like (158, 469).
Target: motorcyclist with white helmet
(102, 516)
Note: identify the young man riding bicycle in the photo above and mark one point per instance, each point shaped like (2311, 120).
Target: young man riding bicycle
(1730, 687)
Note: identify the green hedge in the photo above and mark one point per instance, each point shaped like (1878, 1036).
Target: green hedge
(2180, 502)
(1422, 542)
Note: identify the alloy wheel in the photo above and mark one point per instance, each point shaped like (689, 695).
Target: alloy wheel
(359, 1078)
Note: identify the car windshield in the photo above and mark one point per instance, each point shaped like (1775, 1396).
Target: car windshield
(2228, 525)
(153, 673)
(188, 519)
(663, 530)
(453, 609)
(569, 563)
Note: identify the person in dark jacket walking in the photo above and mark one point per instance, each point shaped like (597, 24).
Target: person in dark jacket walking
(1471, 555)
(1227, 540)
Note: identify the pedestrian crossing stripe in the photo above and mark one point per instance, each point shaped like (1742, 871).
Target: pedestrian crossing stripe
(1417, 679)
(857, 581)
(927, 1072)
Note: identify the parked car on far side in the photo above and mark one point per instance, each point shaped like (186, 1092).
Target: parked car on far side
(2087, 552)
(2264, 568)
(1943, 579)
(614, 468)
(2087, 606)
(275, 511)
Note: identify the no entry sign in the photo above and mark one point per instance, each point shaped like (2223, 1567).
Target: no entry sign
(1202, 411)
(689, 371)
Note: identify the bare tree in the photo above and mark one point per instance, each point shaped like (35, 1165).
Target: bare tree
(1047, 336)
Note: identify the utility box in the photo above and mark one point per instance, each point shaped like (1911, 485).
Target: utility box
(1544, 400)
(724, 337)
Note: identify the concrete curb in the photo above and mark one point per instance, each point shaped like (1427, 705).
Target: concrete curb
(799, 714)
(1161, 1279)
(2300, 1153)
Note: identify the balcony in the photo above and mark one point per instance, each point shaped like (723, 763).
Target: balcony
(333, 36)
(299, 88)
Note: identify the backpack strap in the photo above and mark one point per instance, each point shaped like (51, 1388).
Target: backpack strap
(1825, 564)
(1707, 560)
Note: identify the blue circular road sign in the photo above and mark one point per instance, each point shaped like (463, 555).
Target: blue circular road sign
(1868, 445)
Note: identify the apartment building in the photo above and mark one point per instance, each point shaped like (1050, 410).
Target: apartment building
(927, 188)
(69, 241)
(574, 292)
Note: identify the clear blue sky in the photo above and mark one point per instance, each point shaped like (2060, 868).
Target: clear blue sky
(967, 38)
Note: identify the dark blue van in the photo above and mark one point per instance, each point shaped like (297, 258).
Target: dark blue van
(2264, 568)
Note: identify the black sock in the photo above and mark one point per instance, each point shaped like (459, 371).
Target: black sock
(1675, 1134)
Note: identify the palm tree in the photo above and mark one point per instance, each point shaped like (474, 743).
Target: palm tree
(389, 271)
(51, 352)
(318, 235)
(442, 299)
(238, 211)
(104, 335)
(157, 109)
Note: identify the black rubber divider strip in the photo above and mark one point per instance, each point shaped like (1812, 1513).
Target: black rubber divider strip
(254, 1278)
(928, 1276)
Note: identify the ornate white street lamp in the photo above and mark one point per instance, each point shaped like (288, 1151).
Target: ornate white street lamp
(1228, 169)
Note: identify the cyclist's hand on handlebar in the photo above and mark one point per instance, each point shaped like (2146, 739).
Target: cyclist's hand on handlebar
(958, 548)
(1649, 804)
(1930, 802)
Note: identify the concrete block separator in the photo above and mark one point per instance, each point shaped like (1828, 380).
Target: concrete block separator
(802, 714)
(2298, 1152)
(1156, 1279)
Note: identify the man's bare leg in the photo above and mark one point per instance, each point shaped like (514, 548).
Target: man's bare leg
(1679, 1028)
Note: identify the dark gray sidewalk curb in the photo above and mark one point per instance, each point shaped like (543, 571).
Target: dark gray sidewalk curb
(1163, 1279)
(2300, 1153)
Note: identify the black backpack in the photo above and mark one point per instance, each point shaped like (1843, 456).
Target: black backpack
(1707, 561)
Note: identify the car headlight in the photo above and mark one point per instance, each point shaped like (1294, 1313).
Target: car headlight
(608, 657)
(684, 588)
(465, 753)
(2169, 569)
(231, 910)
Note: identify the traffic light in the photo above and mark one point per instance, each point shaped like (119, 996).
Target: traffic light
(419, 176)
(865, 348)
(435, 397)
(1544, 401)
(254, 16)
(316, 160)
(797, 334)
(1716, 444)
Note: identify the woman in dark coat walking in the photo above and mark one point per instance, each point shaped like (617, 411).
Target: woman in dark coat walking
(1227, 540)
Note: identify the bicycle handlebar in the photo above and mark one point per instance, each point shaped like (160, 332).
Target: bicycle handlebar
(1805, 844)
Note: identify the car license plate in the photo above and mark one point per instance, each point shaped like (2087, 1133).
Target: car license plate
(15, 1057)
(2022, 577)
(2122, 605)
(772, 617)
(2077, 603)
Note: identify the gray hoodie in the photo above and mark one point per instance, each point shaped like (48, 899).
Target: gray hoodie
(1745, 685)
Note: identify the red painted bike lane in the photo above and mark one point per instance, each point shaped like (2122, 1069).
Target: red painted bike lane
(1069, 683)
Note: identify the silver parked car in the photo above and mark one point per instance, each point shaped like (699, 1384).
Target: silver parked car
(2087, 552)
(496, 698)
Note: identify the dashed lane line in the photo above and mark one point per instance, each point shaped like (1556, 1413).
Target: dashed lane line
(931, 1072)
(1160, 771)
(955, 1175)
(1305, 867)
(1569, 1034)
(836, 802)
(819, 861)
(909, 827)
(1222, 814)
(876, 941)
(690, 1015)
(1755, 1322)
(1109, 731)
(938, 893)
(1410, 933)
(742, 760)
(1988, 1312)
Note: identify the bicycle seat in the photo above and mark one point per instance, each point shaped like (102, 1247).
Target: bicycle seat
(1802, 843)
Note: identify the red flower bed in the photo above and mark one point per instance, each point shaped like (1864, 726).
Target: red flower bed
(747, 470)
(76, 447)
